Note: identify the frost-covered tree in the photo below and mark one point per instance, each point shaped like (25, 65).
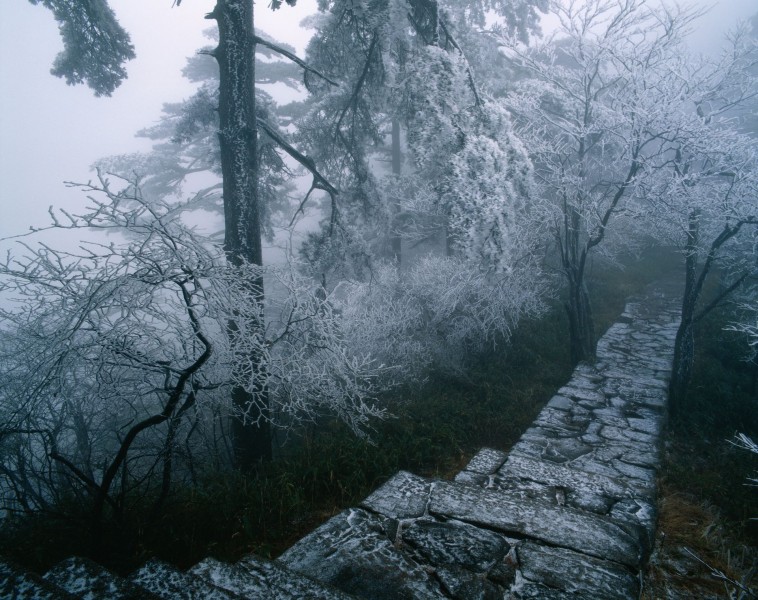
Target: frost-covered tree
(238, 128)
(407, 96)
(436, 316)
(95, 46)
(705, 194)
(593, 115)
(424, 158)
(117, 362)
(186, 149)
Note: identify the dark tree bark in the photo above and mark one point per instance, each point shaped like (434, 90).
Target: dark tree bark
(695, 277)
(684, 344)
(395, 239)
(581, 322)
(578, 309)
(239, 167)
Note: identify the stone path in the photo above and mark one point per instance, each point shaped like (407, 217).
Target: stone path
(569, 512)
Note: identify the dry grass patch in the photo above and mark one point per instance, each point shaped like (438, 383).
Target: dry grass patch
(696, 555)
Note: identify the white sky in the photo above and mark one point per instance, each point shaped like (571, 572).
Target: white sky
(51, 132)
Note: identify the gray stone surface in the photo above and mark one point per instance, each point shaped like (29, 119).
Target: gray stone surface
(82, 577)
(486, 461)
(403, 496)
(554, 524)
(169, 583)
(354, 552)
(577, 573)
(455, 544)
(253, 577)
(19, 584)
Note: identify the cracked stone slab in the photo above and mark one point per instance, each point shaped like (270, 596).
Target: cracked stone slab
(486, 461)
(616, 434)
(403, 496)
(82, 577)
(463, 585)
(576, 573)
(553, 524)
(20, 584)
(455, 544)
(169, 583)
(352, 552)
(516, 488)
(469, 478)
(639, 512)
(556, 450)
(589, 397)
(575, 420)
(253, 577)
(526, 590)
(565, 477)
(559, 402)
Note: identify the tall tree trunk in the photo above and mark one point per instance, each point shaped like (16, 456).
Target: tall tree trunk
(578, 308)
(239, 167)
(684, 344)
(581, 323)
(395, 239)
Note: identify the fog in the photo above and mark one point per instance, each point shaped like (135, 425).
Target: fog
(51, 132)
(496, 206)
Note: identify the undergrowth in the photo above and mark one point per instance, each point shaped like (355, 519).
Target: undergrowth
(707, 511)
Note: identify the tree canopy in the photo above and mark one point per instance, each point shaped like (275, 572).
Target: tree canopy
(95, 46)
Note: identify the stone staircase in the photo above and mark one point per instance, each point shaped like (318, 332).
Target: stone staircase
(569, 512)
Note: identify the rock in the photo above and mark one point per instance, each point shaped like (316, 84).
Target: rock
(352, 552)
(17, 583)
(564, 476)
(557, 525)
(576, 573)
(82, 577)
(404, 496)
(486, 461)
(169, 583)
(253, 577)
(463, 585)
(453, 543)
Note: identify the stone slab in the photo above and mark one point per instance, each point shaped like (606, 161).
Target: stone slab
(403, 496)
(576, 573)
(554, 524)
(564, 476)
(169, 583)
(83, 577)
(19, 584)
(253, 577)
(455, 544)
(353, 552)
(486, 461)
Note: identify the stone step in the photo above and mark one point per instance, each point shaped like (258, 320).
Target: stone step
(19, 584)
(82, 577)
(356, 552)
(169, 583)
(254, 577)
(464, 541)
(556, 525)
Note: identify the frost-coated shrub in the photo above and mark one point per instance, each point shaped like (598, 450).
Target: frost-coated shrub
(435, 316)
